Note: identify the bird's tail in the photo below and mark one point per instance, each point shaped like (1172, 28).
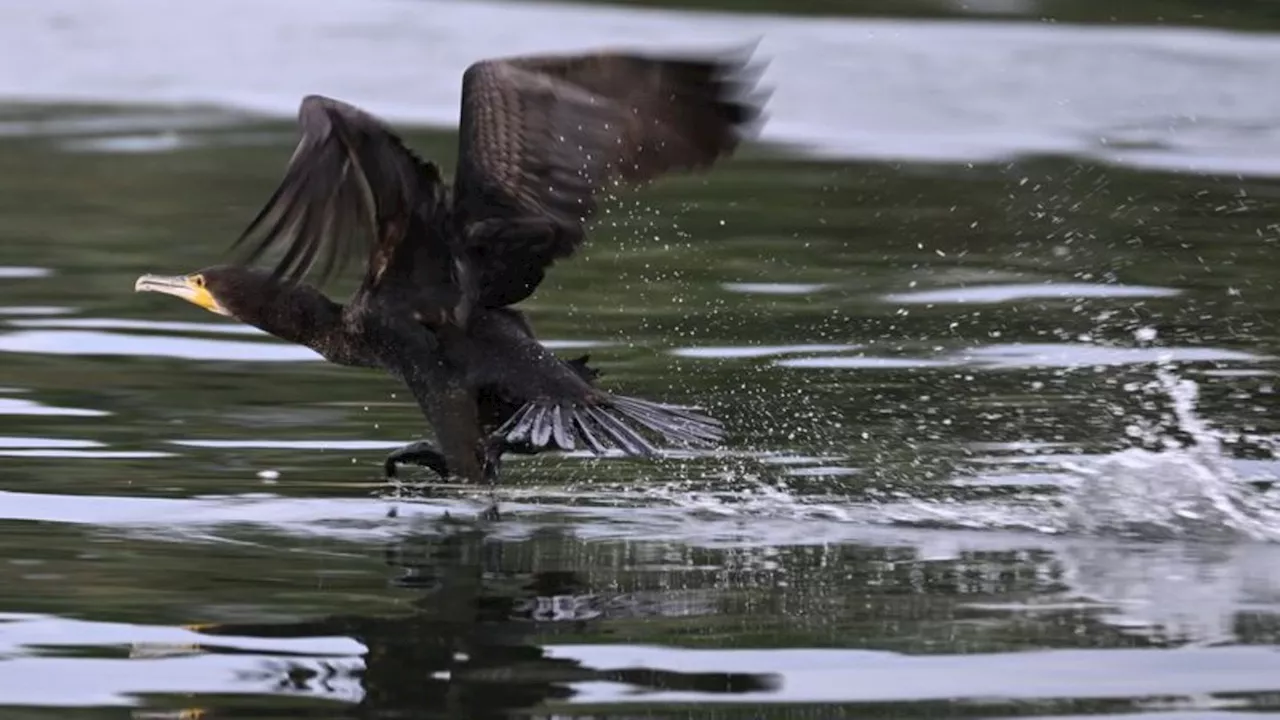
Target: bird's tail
(617, 422)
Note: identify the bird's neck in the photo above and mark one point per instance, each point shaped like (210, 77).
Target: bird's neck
(302, 315)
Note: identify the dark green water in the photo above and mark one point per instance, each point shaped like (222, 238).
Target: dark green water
(963, 479)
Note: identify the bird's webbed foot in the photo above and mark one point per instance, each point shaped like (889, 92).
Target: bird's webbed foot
(425, 454)
(419, 453)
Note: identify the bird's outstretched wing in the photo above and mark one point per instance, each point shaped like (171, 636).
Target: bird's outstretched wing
(350, 189)
(541, 137)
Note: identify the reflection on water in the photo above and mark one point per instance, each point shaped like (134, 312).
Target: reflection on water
(1003, 436)
(456, 620)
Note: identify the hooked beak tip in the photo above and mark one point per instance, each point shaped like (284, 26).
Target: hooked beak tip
(153, 283)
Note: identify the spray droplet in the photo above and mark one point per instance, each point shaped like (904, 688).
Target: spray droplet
(1145, 334)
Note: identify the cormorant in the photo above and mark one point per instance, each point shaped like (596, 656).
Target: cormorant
(540, 137)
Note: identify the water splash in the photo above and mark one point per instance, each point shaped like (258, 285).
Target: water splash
(1179, 491)
(1185, 490)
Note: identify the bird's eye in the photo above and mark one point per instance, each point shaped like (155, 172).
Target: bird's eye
(199, 281)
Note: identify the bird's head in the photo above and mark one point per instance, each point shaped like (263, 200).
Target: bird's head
(291, 311)
(294, 312)
(229, 290)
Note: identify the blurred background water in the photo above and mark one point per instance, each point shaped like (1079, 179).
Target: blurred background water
(991, 313)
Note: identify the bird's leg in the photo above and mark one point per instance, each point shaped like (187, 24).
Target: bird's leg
(451, 409)
(419, 453)
(417, 356)
(494, 447)
(449, 406)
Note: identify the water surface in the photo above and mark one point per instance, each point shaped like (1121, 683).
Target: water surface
(1180, 97)
(1002, 423)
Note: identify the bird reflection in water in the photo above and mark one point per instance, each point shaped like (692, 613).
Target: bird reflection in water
(473, 645)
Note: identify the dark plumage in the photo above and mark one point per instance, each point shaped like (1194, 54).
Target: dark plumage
(540, 139)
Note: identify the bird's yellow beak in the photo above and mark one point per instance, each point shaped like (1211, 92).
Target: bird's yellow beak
(188, 287)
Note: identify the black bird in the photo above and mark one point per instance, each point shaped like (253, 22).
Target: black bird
(539, 139)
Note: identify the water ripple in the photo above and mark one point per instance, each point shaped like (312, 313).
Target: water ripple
(95, 342)
(823, 676)
(1027, 291)
(291, 444)
(756, 351)
(20, 406)
(1031, 355)
(89, 343)
(8, 272)
(775, 288)
(1026, 355)
(217, 328)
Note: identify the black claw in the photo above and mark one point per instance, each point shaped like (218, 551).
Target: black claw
(425, 454)
(420, 453)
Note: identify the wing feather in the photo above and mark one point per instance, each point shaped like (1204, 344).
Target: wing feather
(541, 138)
(349, 190)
